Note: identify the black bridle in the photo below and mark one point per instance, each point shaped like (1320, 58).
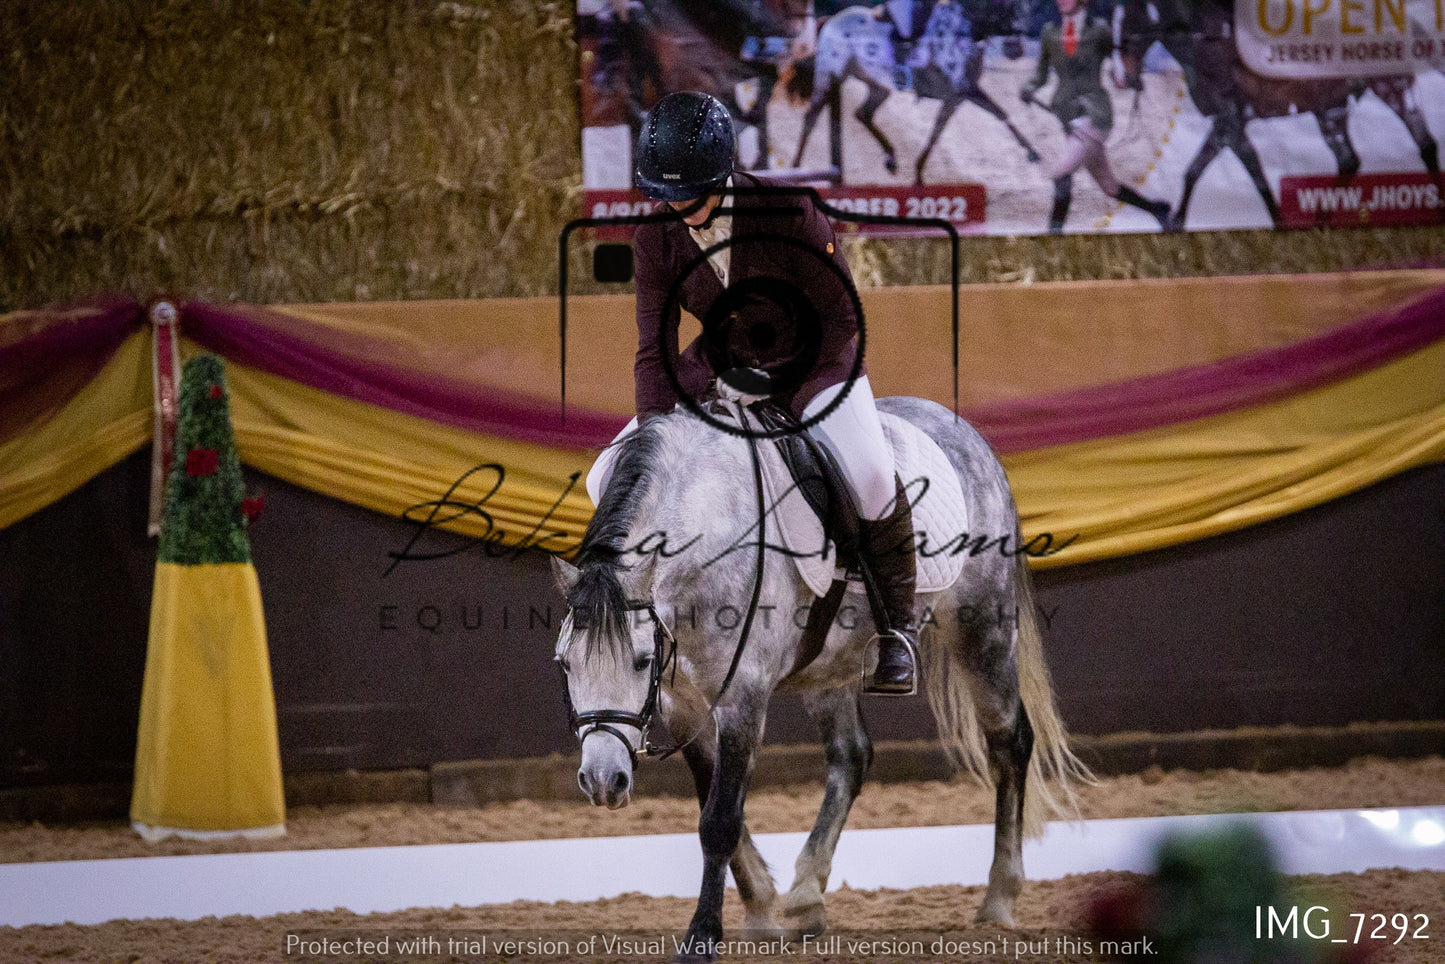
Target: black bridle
(664, 653)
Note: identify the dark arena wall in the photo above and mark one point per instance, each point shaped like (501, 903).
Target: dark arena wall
(1326, 617)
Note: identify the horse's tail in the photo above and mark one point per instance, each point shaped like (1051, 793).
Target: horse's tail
(1054, 770)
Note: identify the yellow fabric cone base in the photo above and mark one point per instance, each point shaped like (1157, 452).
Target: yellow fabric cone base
(207, 755)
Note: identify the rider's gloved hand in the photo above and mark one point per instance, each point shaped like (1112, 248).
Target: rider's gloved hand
(747, 385)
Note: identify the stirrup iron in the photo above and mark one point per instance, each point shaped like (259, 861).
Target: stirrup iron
(876, 643)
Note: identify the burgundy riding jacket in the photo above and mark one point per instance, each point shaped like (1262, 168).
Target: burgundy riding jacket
(762, 333)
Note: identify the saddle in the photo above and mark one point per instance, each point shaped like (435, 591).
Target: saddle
(810, 514)
(817, 475)
(811, 517)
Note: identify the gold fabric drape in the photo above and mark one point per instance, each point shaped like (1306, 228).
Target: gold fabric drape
(1118, 495)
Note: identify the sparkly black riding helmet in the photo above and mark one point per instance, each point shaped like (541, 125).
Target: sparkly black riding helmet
(685, 150)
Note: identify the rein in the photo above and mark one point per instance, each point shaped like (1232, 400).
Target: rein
(664, 650)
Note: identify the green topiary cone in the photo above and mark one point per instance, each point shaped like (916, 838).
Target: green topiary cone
(203, 521)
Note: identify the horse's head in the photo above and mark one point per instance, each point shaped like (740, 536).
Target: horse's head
(642, 554)
(611, 645)
(611, 650)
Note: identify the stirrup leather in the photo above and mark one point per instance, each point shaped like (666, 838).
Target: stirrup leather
(875, 643)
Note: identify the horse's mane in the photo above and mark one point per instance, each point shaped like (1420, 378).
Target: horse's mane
(597, 599)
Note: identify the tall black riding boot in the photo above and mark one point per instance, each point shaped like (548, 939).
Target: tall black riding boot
(1160, 209)
(887, 546)
(1063, 194)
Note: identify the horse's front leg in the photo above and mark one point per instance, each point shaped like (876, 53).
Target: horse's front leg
(821, 94)
(946, 111)
(721, 827)
(758, 118)
(980, 97)
(877, 94)
(849, 753)
(750, 872)
(1236, 138)
(1334, 127)
(1208, 151)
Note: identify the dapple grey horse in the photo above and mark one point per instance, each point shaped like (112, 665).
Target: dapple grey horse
(675, 540)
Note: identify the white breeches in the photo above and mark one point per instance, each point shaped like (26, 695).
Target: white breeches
(855, 436)
(852, 432)
(1084, 147)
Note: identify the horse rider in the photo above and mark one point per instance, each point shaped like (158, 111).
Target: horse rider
(685, 161)
(909, 19)
(1076, 49)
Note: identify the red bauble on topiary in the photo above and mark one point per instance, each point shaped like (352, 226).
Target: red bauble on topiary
(201, 462)
(252, 506)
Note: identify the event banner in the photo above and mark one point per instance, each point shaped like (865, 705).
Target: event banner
(1035, 116)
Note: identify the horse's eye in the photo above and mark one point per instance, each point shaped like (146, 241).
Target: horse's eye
(641, 662)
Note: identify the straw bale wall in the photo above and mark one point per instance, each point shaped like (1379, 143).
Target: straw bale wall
(288, 151)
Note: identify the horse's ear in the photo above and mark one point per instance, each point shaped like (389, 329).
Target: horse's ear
(565, 574)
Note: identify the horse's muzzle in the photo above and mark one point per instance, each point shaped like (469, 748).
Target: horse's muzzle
(614, 790)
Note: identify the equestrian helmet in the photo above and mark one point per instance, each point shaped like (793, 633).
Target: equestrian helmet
(685, 150)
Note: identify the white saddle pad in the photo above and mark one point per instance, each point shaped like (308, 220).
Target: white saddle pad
(940, 512)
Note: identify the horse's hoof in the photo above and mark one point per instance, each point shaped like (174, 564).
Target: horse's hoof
(805, 894)
(804, 912)
(995, 912)
(1033, 156)
(807, 922)
(890, 162)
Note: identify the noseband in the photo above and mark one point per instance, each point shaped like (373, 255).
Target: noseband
(664, 652)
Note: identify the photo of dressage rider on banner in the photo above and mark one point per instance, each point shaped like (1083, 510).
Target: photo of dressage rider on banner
(1043, 116)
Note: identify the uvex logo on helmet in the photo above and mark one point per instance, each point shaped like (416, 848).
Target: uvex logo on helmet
(686, 147)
